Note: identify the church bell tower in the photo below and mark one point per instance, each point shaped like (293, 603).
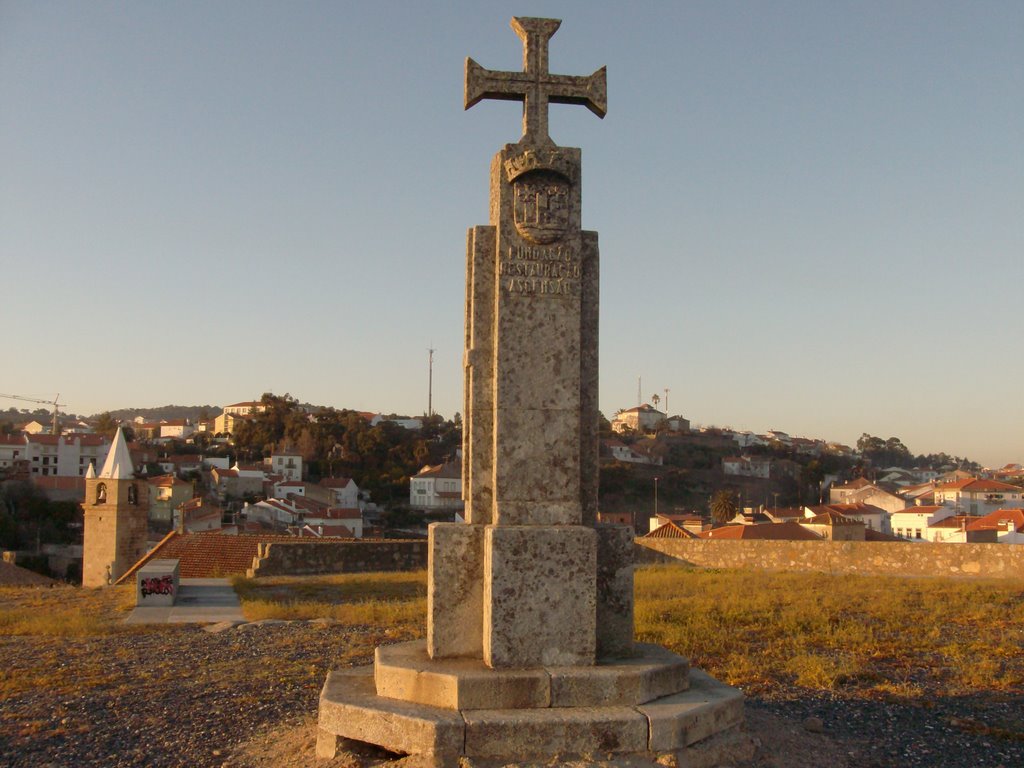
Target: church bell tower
(116, 513)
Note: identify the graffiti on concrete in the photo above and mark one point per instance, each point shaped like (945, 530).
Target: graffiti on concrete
(157, 585)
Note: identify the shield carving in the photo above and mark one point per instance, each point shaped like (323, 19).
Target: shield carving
(541, 206)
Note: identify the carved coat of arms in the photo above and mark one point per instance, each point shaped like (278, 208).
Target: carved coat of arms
(541, 206)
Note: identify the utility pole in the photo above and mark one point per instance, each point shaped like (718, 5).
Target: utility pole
(430, 384)
(667, 411)
(639, 397)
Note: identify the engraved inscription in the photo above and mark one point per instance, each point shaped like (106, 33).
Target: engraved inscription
(541, 206)
(540, 271)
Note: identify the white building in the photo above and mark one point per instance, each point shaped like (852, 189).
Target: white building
(912, 522)
(642, 418)
(972, 496)
(288, 465)
(52, 455)
(244, 409)
(747, 466)
(438, 487)
(344, 491)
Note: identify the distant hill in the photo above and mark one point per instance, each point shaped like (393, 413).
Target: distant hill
(168, 412)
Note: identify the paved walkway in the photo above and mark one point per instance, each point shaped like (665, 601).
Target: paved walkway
(200, 601)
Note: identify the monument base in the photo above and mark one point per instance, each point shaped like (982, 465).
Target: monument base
(646, 705)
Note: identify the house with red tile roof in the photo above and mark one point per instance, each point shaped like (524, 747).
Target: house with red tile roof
(166, 494)
(866, 492)
(437, 487)
(687, 520)
(870, 516)
(833, 526)
(955, 530)
(978, 497)
(285, 489)
(231, 483)
(198, 514)
(1008, 525)
(344, 491)
(912, 523)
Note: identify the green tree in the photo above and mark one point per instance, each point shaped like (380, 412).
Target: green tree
(724, 506)
(106, 425)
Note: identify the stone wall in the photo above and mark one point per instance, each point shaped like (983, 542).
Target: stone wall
(869, 558)
(303, 558)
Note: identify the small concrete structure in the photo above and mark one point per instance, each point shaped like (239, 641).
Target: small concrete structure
(529, 651)
(156, 584)
(198, 601)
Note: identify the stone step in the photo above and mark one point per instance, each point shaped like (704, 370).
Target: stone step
(405, 672)
(350, 708)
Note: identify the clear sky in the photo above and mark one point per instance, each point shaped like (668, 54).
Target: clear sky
(810, 214)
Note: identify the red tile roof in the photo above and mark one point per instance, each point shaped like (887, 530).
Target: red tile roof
(853, 485)
(448, 470)
(669, 531)
(765, 531)
(974, 485)
(999, 521)
(206, 555)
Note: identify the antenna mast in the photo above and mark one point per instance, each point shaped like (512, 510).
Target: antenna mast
(430, 383)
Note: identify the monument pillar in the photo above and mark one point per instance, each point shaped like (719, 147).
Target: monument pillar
(529, 649)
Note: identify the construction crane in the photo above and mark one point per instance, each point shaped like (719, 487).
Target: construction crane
(54, 403)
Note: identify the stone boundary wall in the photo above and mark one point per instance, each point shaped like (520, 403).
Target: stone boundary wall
(867, 558)
(303, 558)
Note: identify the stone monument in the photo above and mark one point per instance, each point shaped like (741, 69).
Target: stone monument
(529, 650)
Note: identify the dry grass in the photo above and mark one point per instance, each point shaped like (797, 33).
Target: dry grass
(62, 611)
(887, 636)
(393, 600)
(772, 634)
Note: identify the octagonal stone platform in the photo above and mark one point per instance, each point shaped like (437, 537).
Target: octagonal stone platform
(405, 671)
(410, 704)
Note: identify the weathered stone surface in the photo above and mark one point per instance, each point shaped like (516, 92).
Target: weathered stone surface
(614, 591)
(455, 590)
(478, 392)
(350, 708)
(653, 673)
(404, 671)
(539, 595)
(537, 481)
(286, 558)
(526, 733)
(589, 410)
(682, 719)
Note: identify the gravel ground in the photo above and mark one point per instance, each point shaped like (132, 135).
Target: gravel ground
(182, 696)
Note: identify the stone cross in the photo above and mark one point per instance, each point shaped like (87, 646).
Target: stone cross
(529, 650)
(535, 86)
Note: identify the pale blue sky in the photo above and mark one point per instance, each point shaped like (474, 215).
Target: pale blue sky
(810, 214)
